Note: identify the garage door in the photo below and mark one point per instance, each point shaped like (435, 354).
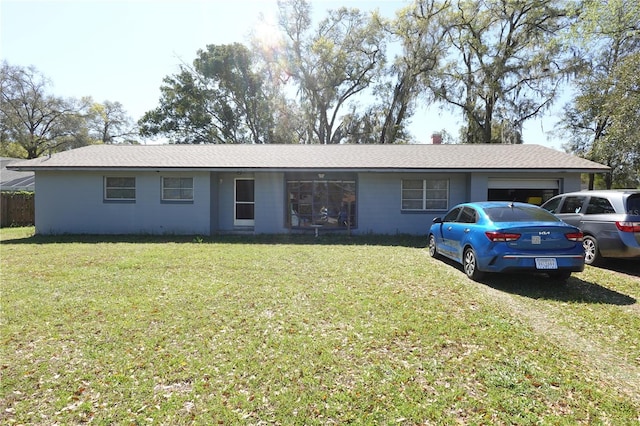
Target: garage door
(534, 191)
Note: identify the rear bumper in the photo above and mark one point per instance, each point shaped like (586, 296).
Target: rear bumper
(518, 262)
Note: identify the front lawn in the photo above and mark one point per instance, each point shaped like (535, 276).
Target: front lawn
(304, 330)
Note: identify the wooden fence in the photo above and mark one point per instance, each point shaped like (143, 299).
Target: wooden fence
(17, 209)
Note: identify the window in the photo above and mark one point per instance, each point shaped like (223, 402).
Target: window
(598, 205)
(120, 188)
(553, 205)
(452, 215)
(177, 189)
(468, 215)
(572, 205)
(519, 214)
(327, 202)
(425, 194)
(633, 204)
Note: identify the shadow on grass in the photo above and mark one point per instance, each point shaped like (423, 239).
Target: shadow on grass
(624, 266)
(540, 286)
(574, 290)
(410, 241)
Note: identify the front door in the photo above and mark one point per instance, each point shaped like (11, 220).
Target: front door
(244, 203)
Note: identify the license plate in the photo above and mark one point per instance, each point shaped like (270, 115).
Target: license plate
(546, 263)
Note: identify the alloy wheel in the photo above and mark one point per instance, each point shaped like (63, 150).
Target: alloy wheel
(470, 264)
(433, 250)
(591, 254)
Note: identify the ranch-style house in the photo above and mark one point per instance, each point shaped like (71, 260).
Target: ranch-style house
(275, 189)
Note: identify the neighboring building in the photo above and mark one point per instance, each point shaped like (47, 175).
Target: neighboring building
(12, 180)
(211, 189)
(16, 200)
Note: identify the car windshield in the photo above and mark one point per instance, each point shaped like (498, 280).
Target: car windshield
(519, 214)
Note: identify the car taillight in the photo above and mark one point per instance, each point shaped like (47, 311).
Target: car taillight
(628, 226)
(496, 236)
(574, 236)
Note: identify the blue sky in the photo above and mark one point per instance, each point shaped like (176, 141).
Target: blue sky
(121, 50)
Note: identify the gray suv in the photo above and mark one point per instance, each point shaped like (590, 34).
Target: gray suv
(609, 219)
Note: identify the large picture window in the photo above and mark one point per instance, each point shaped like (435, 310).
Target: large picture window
(120, 188)
(330, 203)
(425, 194)
(177, 189)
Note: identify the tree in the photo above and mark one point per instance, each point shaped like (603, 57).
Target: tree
(421, 34)
(37, 121)
(220, 99)
(603, 119)
(504, 64)
(109, 123)
(331, 64)
(363, 127)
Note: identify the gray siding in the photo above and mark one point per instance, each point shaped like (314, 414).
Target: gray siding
(270, 203)
(72, 203)
(380, 197)
(269, 199)
(225, 204)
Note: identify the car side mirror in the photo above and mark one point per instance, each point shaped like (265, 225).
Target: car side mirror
(437, 220)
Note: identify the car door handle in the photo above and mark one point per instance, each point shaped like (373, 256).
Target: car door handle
(449, 228)
(467, 230)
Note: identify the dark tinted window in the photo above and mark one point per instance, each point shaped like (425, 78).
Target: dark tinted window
(452, 215)
(599, 205)
(468, 215)
(633, 204)
(552, 205)
(519, 214)
(572, 205)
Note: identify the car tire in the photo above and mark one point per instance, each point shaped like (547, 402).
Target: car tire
(470, 264)
(433, 248)
(560, 276)
(591, 251)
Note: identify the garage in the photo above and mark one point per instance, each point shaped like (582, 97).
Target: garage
(534, 191)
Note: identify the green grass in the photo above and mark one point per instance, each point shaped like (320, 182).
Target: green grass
(299, 330)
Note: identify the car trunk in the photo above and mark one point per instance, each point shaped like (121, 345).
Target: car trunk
(537, 238)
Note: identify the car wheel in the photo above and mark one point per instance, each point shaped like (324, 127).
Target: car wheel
(591, 251)
(560, 276)
(470, 264)
(433, 249)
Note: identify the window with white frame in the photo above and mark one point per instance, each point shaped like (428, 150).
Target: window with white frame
(425, 194)
(177, 189)
(119, 188)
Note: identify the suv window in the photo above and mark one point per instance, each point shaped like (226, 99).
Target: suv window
(552, 204)
(633, 204)
(572, 205)
(599, 205)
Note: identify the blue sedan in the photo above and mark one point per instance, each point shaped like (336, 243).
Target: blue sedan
(496, 236)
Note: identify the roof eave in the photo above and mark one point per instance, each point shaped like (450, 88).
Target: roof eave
(246, 169)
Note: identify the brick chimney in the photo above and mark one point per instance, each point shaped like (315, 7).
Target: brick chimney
(436, 139)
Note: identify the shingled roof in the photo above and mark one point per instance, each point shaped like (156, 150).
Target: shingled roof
(12, 180)
(313, 157)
